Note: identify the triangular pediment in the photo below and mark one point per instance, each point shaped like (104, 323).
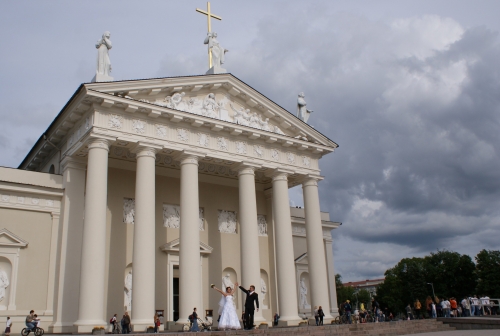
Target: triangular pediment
(223, 97)
(174, 246)
(8, 239)
(302, 259)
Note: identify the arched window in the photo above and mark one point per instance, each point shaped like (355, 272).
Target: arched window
(52, 169)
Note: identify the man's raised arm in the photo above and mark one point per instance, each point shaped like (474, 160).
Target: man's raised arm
(243, 289)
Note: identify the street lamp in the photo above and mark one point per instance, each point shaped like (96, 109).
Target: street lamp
(434, 295)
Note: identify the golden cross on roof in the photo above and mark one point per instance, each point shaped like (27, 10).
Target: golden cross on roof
(209, 15)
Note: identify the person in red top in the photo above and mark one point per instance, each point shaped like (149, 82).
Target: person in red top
(453, 304)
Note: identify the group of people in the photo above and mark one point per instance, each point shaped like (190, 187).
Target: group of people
(362, 313)
(124, 327)
(452, 307)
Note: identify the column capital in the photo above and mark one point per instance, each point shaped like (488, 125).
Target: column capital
(145, 149)
(279, 174)
(95, 140)
(247, 168)
(310, 180)
(69, 162)
(189, 157)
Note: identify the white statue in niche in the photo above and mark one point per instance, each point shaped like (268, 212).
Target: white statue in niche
(129, 210)
(262, 225)
(263, 291)
(226, 282)
(128, 291)
(227, 221)
(202, 219)
(103, 63)
(303, 295)
(218, 53)
(4, 283)
(302, 112)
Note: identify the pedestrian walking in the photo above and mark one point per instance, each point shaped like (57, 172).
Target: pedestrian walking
(321, 315)
(8, 324)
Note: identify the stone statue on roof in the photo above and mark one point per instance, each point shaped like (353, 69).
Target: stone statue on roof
(217, 52)
(103, 69)
(302, 112)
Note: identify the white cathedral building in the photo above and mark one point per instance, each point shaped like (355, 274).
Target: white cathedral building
(142, 193)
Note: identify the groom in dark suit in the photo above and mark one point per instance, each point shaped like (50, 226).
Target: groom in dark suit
(249, 306)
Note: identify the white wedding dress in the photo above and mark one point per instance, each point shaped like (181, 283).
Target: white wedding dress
(229, 317)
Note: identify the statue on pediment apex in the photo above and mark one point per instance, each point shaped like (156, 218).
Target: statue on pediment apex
(216, 50)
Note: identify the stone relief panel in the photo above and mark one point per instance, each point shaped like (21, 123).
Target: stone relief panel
(306, 161)
(203, 139)
(139, 126)
(218, 108)
(290, 157)
(275, 154)
(222, 144)
(299, 230)
(182, 134)
(241, 147)
(262, 225)
(128, 210)
(161, 131)
(258, 150)
(227, 221)
(172, 217)
(115, 121)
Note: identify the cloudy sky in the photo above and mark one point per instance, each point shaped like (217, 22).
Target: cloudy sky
(410, 90)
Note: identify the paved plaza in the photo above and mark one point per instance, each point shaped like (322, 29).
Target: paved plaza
(461, 333)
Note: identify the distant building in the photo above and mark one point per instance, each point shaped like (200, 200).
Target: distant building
(369, 284)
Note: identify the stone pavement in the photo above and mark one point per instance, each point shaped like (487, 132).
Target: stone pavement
(461, 333)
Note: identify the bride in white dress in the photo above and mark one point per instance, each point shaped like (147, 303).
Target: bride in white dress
(228, 316)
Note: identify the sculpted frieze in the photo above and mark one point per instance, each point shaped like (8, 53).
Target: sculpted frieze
(161, 131)
(172, 217)
(139, 126)
(128, 210)
(227, 221)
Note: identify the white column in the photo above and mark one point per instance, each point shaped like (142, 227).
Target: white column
(189, 251)
(92, 274)
(68, 276)
(318, 276)
(285, 263)
(143, 258)
(249, 231)
(334, 310)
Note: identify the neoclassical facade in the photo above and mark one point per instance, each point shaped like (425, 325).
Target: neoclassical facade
(146, 192)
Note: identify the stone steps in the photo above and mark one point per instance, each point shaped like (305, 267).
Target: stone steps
(365, 329)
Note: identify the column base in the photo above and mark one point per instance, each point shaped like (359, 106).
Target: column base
(86, 327)
(289, 321)
(141, 325)
(61, 328)
(334, 312)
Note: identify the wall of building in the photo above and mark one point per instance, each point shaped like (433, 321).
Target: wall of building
(226, 247)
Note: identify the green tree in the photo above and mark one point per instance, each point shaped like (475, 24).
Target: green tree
(343, 292)
(488, 273)
(451, 274)
(364, 296)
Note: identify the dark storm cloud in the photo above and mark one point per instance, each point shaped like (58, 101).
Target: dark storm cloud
(412, 99)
